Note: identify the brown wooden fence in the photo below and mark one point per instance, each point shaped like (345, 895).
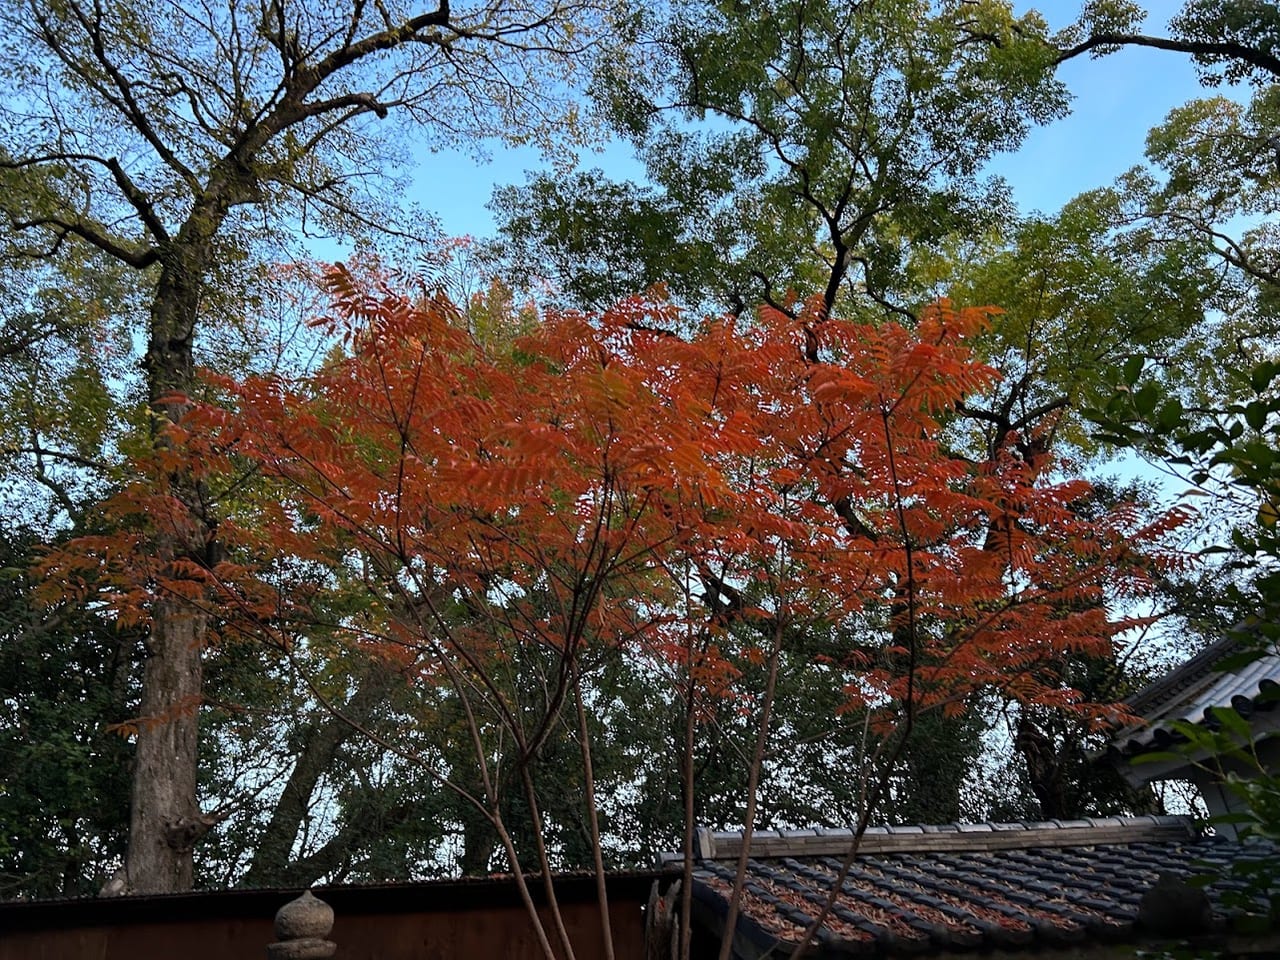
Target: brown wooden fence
(456, 920)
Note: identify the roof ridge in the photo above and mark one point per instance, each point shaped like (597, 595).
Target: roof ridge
(1186, 672)
(956, 837)
(1189, 691)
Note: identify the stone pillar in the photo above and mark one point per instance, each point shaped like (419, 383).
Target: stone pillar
(301, 928)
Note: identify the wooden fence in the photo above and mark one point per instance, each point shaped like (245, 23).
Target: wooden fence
(455, 920)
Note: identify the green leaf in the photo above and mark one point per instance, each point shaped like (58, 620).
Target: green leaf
(1145, 399)
(1231, 721)
(1240, 660)
(1262, 375)
(1202, 880)
(1232, 819)
(1170, 415)
(1157, 756)
(1255, 414)
(1250, 923)
(1133, 369)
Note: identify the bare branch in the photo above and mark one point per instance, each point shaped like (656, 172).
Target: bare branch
(92, 232)
(1226, 50)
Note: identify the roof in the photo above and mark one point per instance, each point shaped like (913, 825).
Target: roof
(958, 887)
(1189, 691)
(423, 896)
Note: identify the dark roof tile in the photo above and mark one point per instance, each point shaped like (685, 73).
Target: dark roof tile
(1189, 691)
(1066, 883)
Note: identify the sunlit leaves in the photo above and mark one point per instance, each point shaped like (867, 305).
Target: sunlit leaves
(1253, 25)
(794, 146)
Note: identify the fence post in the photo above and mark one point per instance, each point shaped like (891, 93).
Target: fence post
(301, 928)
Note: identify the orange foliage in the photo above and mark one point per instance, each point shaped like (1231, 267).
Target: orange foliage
(570, 489)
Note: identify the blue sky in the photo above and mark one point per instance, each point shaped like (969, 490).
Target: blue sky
(1117, 100)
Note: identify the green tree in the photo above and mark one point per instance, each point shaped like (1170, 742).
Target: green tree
(1230, 40)
(802, 146)
(792, 146)
(1079, 291)
(1212, 184)
(1215, 180)
(65, 673)
(184, 144)
(1230, 450)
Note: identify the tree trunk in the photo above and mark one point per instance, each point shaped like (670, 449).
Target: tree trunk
(479, 840)
(165, 818)
(272, 859)
(1044, 770)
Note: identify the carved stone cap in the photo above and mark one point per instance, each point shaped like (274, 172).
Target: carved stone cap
(301, 928)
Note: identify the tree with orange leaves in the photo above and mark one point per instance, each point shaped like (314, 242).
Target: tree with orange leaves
(520, 511)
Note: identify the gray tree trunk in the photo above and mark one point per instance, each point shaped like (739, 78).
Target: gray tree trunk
(165, 819)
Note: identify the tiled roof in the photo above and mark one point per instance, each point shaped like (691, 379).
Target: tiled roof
(1028, 885)
(1190, 690)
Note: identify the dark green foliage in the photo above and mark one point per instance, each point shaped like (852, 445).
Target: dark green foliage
(1224, 747)
(1232, 450)
(596, 241)
(65, 676)
(1079, 293)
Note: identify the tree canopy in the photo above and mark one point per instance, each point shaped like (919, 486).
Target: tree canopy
(515, 515)
(768, 489)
